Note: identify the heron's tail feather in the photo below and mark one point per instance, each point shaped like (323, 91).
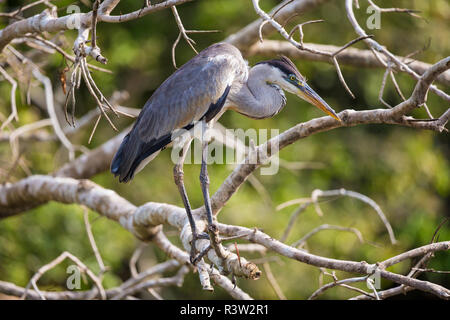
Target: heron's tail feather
(124, 158)
(134, 154)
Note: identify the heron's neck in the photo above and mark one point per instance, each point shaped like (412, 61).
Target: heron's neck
(258, 99)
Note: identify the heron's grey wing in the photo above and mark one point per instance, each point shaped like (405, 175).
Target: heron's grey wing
(198, 89)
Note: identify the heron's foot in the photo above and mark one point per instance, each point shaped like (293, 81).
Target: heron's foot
(197, 236)
(213, 228)
(215, 241)
(212, 235)
(203, 235)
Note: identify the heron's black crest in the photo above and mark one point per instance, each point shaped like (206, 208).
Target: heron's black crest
(285, 65)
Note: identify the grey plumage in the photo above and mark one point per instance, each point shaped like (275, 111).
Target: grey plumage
(181, 100)
(217, 79)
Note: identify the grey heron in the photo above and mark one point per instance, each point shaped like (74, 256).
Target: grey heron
(215, 80)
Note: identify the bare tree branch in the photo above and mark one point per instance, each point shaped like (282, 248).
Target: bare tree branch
(69, 184)
(249, 34)
(142, 223)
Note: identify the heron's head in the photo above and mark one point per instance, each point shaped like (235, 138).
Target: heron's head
(286, 75)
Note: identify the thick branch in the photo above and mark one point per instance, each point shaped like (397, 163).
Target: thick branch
(94, 162)
(419, 95)
(363, 267)
(47, 21)
(351, 56)
(142, 12)
(142, 223)
(83, 167)
(302, 130)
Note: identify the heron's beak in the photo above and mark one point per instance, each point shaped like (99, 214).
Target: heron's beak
(306, 93)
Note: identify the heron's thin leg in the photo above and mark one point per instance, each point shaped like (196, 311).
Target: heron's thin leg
(178, 175)
(204, 178)
(213, 230)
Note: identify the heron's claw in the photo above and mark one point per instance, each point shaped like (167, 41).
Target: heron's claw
(198, 236)
(203, 235)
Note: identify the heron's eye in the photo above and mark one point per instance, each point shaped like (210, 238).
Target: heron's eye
(292, 77)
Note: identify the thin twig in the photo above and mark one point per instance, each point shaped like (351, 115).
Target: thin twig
(303, 240)
(14, 115)
(91, 238)
(273, 281)
(54, 263)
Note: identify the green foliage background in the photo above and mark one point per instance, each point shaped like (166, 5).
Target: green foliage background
(405, 171)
